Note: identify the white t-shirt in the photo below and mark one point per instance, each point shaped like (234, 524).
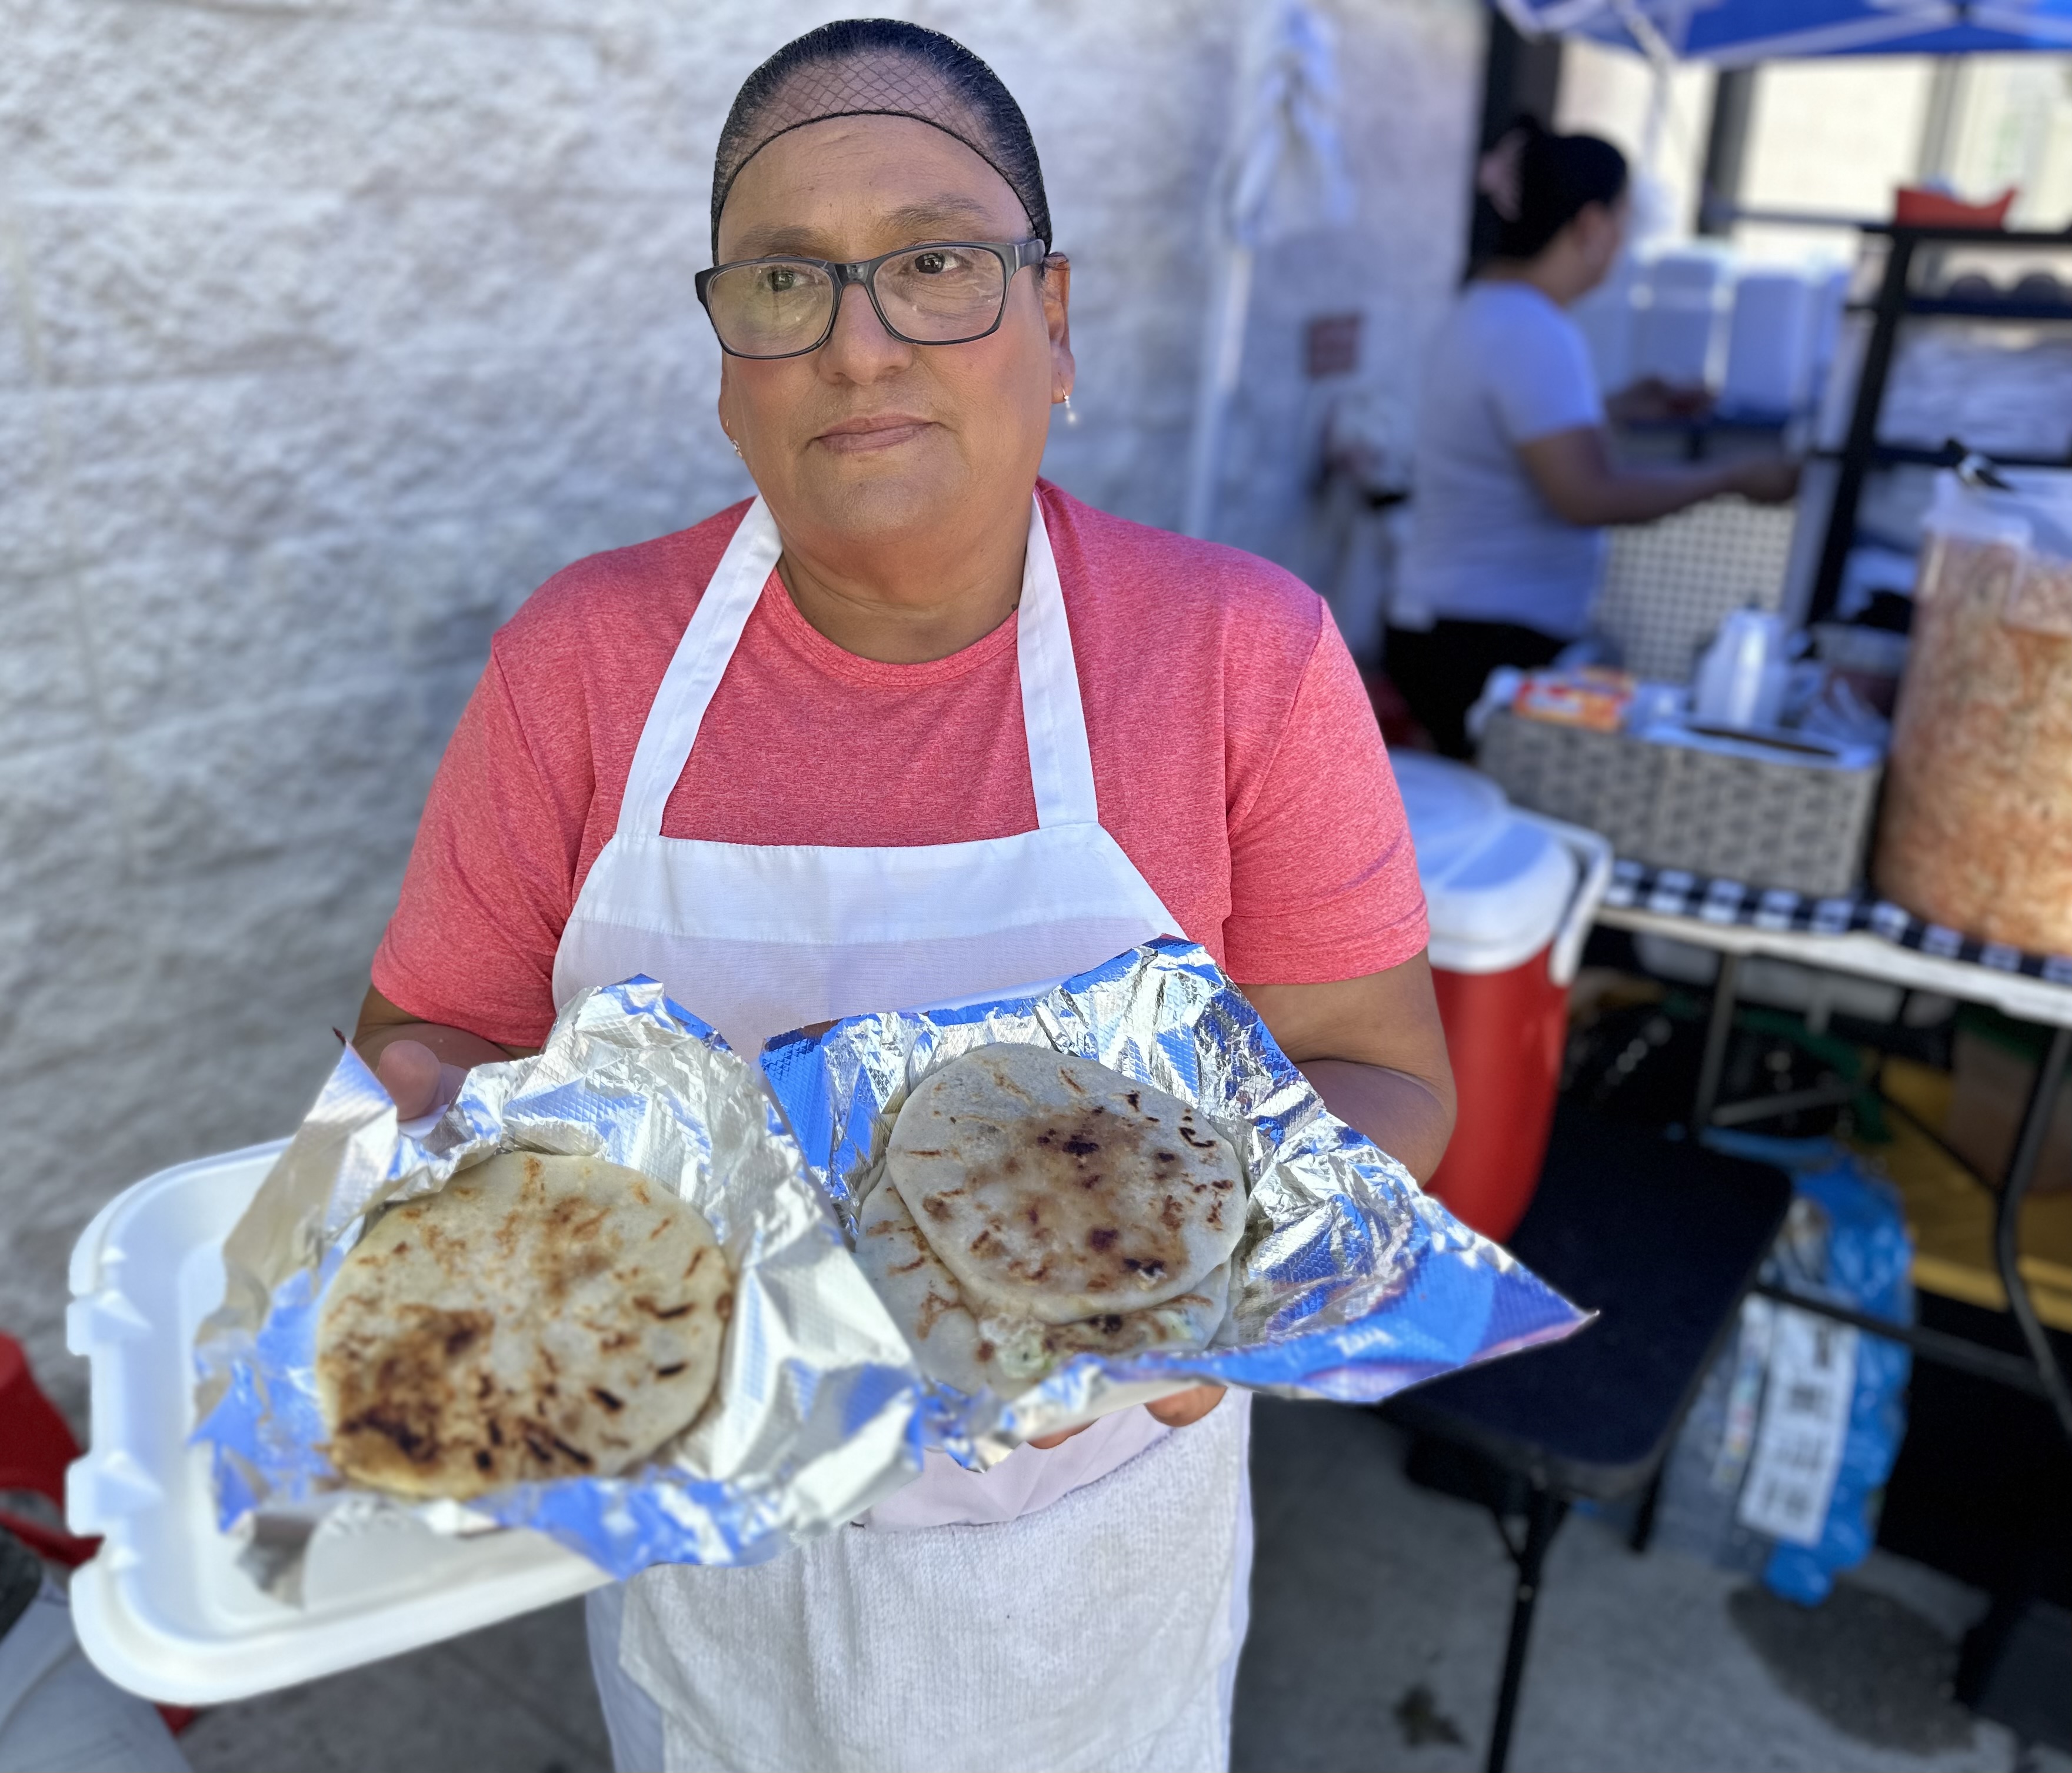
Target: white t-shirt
(1508, 366)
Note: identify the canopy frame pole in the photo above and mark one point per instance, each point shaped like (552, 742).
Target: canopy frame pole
(1726, 150)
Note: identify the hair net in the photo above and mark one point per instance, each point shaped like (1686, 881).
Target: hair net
(882, 68)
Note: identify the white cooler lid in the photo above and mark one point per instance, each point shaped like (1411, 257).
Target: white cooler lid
(1496, 884)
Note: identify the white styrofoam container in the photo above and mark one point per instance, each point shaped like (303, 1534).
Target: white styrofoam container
(1679, 329)
(163, 1609)
(1500, 883)
(1770, 341)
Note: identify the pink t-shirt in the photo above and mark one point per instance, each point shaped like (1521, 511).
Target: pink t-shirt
(1236, 761)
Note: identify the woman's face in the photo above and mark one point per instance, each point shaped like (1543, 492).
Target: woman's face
(1601, 234)
(869, 438)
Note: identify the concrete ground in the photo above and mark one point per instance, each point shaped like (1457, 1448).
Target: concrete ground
(1380, 1609)
(1379, 1615)
(517, 1698)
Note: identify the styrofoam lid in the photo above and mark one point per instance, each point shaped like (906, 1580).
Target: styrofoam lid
(1784, 281)
(1694, 269)
(1495, 885)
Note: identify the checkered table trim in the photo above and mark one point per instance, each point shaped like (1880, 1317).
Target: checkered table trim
(1674, 892)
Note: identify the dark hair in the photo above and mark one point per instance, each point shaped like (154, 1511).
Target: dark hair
(882, 68)
(1533, 184)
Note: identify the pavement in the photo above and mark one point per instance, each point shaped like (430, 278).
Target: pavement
(517, 1698)
(1379, 1611)
(1378, 1616)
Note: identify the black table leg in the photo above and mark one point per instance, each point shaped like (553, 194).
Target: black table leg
(1642, 1533)
(2007, 1221)
(1544, 1514)
(1719, 1030)
(1987, 1642)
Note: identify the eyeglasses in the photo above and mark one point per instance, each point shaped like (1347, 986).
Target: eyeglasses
(943, 292)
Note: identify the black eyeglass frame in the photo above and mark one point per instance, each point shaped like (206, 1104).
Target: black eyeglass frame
(1014, 256)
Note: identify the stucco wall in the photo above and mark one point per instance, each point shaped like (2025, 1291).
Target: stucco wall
(327, 331)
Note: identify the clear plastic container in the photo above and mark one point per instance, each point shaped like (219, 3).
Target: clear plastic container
(1976, 828)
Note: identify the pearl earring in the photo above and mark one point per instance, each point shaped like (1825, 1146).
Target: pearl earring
(1072, 417)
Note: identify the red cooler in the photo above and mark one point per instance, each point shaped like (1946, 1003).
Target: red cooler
(1511, 896)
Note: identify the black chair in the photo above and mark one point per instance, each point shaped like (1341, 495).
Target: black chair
(1662, 1238)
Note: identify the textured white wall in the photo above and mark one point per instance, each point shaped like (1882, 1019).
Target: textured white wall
(326, 332)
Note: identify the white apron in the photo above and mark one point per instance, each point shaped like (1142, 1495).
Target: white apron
(1078, 1607)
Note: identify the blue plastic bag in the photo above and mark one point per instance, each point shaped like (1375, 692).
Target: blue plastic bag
(1726, 1489)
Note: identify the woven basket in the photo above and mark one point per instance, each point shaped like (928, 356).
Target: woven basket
(1769, 823)
(1603, 780)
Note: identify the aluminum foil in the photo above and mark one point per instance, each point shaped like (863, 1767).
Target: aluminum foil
(1350, 1281)
(817, 1414)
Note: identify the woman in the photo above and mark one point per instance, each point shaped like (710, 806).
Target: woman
(1515, 479)
(911, 725)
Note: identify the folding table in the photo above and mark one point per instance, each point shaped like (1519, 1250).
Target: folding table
(1864, 955)
(1663, 1239)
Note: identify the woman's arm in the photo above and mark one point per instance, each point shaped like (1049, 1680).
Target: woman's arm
(1576, 474)
(1375, 1049)
(408, 1055)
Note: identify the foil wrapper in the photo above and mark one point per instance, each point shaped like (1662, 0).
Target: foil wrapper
(817, 1414)
(1350, 1282)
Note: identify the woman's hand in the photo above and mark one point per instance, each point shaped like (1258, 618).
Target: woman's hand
(420, 1064)
(1651, 400)
(1767, 479)
(414, 1075)
(1178, 1411)
(1188, 1406)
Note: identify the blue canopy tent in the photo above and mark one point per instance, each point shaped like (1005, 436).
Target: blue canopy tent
(1733, 33)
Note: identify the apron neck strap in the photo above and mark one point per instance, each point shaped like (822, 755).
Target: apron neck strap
(1060, 760)
(695, 669)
